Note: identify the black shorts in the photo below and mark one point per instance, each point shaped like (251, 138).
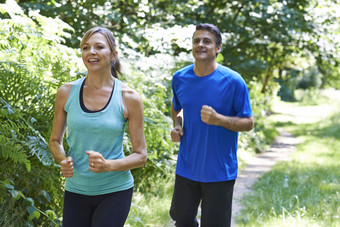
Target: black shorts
(216, 204)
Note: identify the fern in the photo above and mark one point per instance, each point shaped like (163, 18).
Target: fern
(32, 67)
(9, 149)
(17, 134)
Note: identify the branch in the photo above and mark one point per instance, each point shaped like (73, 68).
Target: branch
(238, 12)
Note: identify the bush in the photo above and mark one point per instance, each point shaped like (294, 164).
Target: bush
(34, 63)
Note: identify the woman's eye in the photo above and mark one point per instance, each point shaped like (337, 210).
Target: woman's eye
(84, 48)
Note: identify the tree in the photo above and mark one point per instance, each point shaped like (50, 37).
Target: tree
(262, 37)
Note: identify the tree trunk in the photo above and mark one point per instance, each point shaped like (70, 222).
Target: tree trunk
(269, 75)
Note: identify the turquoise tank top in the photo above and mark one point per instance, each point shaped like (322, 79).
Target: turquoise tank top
(100, 131)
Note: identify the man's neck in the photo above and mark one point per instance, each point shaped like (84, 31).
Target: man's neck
(204, 68)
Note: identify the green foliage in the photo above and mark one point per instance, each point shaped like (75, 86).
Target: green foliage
(33, 65)
(309, 79)
(288, 84)
(153, 82)
(10, 148)
(29, 166)
(32, 211)
(259, 36)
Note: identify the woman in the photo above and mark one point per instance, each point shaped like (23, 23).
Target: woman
(99, 185)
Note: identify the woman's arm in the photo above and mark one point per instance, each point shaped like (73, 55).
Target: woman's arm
(58, 130)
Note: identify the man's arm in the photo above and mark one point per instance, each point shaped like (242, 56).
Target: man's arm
(211, 117)
(176, 118)
(177, 131)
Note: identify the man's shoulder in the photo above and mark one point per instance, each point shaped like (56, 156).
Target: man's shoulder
(229, 73)
(184, 70)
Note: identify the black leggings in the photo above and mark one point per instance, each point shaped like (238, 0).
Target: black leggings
(102, 210)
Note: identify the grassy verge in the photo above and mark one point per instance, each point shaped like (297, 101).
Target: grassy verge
(313, 195)
(152, 208)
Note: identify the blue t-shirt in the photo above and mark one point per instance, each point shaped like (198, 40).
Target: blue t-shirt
(101, 131)
(207, 153)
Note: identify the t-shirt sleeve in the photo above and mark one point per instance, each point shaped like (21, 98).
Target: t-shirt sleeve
(242, 104)
(175, 102)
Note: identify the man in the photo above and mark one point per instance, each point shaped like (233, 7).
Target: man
(216, 105)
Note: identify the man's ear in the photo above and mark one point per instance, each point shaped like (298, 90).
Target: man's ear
(219, 48)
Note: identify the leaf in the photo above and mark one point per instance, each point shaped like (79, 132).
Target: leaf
(15, 194)
(33, 212)
(33, 120)
(31, 209)
(30, 201)
(28, 223)
(9, 186)
(46, 195)
(51, 214)
(9, 109)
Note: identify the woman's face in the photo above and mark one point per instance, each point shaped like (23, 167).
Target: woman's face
(96, 53)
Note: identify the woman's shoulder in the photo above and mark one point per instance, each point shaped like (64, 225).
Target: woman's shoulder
(64, 90)
(130, 94)
(132, 102)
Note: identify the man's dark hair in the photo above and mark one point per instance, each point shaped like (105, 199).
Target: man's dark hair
(211, 28)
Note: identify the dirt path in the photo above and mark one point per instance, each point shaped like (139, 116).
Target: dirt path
(280, 151)
(283, 146)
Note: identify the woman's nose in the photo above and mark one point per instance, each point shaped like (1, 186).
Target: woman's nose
(93, 50)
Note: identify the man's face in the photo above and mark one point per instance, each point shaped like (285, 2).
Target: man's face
(204, 46)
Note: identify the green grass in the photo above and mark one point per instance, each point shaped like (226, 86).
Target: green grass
(313, 195)
(151, 208)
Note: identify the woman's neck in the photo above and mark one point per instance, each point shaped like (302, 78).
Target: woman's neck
(99, 81)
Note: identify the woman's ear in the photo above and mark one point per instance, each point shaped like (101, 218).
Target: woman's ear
(114, 55)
